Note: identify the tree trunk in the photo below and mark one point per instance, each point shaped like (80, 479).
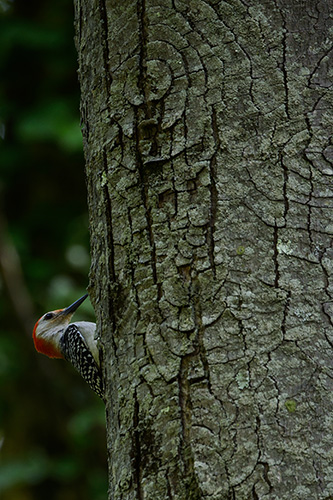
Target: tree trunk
(207, 135)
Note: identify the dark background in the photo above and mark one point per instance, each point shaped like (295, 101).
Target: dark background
(52, 437)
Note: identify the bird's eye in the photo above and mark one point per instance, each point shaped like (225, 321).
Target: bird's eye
(48, 316)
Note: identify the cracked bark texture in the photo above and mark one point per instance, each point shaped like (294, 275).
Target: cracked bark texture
(207, 133)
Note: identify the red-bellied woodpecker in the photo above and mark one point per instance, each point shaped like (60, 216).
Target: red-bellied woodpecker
(54, 336)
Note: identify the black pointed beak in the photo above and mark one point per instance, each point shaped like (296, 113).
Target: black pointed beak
(72, 308)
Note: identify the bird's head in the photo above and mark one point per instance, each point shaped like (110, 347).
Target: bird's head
(50, 327)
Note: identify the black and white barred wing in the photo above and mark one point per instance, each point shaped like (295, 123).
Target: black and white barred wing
(75, 350)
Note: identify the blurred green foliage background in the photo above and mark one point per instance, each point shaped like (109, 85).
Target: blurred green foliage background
(52, 432)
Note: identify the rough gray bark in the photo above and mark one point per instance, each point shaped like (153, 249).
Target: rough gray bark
(207, 132)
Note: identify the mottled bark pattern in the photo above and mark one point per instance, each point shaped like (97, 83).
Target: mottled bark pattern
(207, 129)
